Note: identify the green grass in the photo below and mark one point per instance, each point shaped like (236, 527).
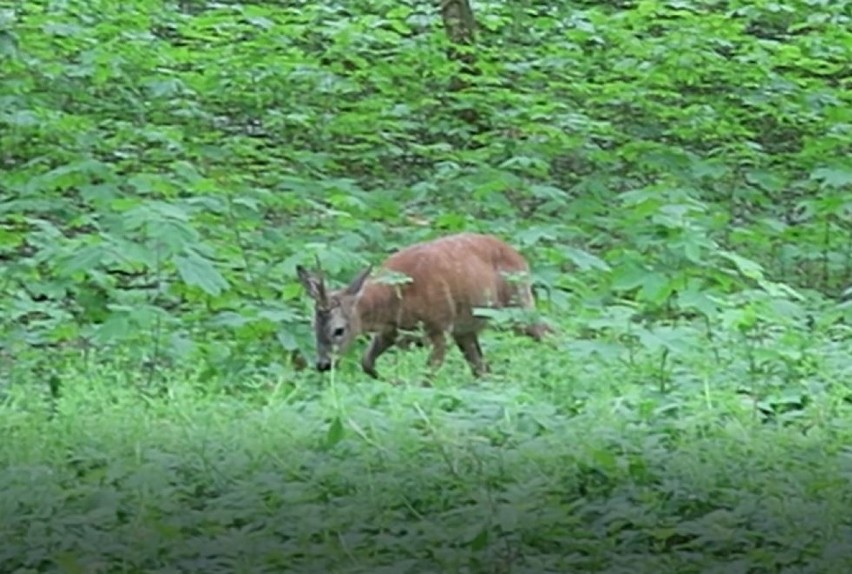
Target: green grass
(561, 461)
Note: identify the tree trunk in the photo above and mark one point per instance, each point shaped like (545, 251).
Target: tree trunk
(461, 27)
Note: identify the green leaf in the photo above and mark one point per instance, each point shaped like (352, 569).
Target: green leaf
(692, 250)
(480, 541)
(533, 235)
(199, 272)
(287, 340)
(779, 289)
(116, 328)
(656, 288)
(745, 266)
(628, 277)
(550, 192)
(663, 337)
(278, 315)
(698, 300)
(68, 563)
(605, 459)
(507, 518)
(85, 259)
(229, 319)
(768, 180)
(833, 177)
(335, 433)
(585, 260)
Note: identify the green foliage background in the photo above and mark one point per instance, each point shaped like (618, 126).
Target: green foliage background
(676, 171)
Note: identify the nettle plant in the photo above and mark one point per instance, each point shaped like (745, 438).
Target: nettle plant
(670, 288)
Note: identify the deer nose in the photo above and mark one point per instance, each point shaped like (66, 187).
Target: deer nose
(323, 365)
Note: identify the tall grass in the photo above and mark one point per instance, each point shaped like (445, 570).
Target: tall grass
(563, 460)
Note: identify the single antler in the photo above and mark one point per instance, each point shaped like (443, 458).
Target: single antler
(323, 295)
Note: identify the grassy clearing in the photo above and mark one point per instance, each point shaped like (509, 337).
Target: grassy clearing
(556, 463)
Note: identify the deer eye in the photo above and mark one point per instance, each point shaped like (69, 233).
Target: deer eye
(338, 332)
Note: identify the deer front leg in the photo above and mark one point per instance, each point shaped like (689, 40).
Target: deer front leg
(468, 344)
(535, 331)
(380, 343)
(439, 349)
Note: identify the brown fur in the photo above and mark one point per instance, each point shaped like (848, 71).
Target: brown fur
(449, 277)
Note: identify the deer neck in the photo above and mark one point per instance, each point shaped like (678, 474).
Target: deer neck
(376, 308)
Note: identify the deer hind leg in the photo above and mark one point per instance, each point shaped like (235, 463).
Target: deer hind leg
(468, 343)
(380, 343)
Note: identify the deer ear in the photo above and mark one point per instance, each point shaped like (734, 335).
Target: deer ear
(312, 283)
(355, 286)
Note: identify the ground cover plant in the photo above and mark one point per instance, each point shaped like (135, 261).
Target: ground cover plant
(676, 173)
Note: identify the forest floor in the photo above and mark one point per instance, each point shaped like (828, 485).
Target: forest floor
(562, 460)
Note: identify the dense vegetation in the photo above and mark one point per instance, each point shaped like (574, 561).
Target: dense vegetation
(677, 173)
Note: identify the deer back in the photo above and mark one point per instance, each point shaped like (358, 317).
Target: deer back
(446, 279)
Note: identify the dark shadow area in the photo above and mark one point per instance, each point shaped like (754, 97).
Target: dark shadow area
(630, 512)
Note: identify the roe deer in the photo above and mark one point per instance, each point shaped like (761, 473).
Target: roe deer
(446, 279)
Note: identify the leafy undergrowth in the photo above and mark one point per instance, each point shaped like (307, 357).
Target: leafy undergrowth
(564, 459)
(166, 166)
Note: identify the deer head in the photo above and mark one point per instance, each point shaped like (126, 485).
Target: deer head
(336, 319)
